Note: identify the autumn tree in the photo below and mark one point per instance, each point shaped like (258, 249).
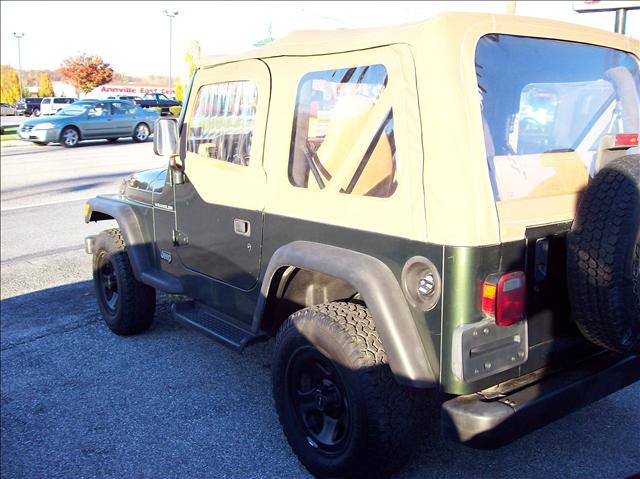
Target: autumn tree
(9, 86)
(45, 87)
(86, 72)
(179, 90)
(191, 60)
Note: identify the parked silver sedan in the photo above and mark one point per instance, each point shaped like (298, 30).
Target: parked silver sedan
(6, 109)
(89, 120)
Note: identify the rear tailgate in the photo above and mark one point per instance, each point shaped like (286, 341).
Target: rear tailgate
(545, 106)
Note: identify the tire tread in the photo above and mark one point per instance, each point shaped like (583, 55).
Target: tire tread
(137, 300)
(604, 235)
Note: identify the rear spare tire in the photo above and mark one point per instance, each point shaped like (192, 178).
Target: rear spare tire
(603, 258)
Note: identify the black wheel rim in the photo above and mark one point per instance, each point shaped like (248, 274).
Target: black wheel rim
(318, 400)
(108, 284)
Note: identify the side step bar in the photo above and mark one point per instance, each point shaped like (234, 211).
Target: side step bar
(223, 329)
(489, 423)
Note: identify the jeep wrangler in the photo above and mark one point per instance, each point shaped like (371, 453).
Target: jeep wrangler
(449, 205)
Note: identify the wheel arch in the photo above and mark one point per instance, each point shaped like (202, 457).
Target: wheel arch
(135, 223)
(75, 127)
(141, 122)
(374, 282)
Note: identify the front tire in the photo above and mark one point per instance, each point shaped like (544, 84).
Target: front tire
(126, 304)
(340, 407)
(69, 137)
(141, 133)
(36, 112)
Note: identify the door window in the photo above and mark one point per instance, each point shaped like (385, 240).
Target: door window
(222, 123)
(99, 109)
(333, 109)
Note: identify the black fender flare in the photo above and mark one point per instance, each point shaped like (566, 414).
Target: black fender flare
(131, 221)
(408, 359)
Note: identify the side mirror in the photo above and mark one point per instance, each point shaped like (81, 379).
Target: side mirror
(165, 137)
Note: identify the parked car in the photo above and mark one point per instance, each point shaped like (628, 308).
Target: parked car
(157, 100)
(53, 104)
(28, 106)
(6, 109)
(91, 119)
(366, 199)
(131, 98)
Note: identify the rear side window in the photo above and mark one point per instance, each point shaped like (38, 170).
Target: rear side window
(222, 123)
(122, 108)
(99, 109)
(545, 105)
(335, 109)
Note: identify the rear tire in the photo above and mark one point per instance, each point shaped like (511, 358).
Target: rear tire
(126, 304)
(36, 112)
(340, 407)
(603, 258)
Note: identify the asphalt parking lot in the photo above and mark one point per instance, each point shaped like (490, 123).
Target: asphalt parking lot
(77, 401)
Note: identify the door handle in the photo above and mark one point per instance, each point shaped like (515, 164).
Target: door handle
(241, 227)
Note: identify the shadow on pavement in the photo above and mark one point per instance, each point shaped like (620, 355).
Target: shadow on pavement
(78, 401)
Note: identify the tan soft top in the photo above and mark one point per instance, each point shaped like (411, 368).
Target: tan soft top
(313, 42)
(454, 203)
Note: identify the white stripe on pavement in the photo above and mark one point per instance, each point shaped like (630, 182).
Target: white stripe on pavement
(37, 205)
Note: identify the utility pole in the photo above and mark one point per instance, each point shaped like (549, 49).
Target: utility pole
(18, 36)
(621, 8)
(170, 14)
(621, 20)
(510, 7)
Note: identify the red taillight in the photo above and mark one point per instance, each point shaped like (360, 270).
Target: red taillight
(489, 298)
(626, 139)
(503, 297)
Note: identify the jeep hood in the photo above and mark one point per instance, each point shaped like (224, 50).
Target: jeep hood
(141, 185)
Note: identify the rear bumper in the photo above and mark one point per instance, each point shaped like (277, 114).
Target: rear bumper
(486, 424)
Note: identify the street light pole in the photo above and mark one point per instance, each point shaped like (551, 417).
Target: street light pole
(170, 14)
(18, 36)
(621, 20)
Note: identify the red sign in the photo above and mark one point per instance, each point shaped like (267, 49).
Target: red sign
(111, 90)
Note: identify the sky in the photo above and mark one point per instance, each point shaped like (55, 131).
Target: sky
(133, 36)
